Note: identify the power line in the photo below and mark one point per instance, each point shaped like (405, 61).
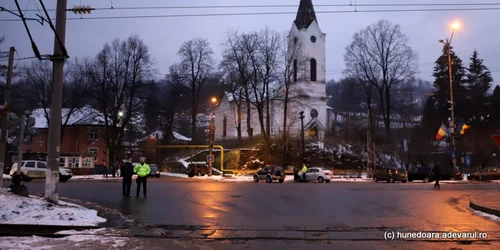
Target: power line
(292, 6)
(20, 58)
(265, 13)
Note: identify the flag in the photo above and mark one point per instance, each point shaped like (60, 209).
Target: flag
(463, 128)
(443, 130)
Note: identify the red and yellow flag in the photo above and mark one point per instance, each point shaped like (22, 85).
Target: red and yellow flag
(443, 130)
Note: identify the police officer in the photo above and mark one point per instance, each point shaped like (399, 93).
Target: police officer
(142, 170)
(127, 171)
(304, 171)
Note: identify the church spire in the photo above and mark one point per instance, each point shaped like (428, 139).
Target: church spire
(305, 14)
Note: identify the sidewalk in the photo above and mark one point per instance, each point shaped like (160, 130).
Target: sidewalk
(487, 203)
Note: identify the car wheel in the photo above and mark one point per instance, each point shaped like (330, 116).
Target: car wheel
(391, 180)
(327, 181)
(320, 179)
(375, 179)
(269, 179)
(255, 178)
(282, 180)
(426, 179)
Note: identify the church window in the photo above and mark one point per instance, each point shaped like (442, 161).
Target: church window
(313, 70)
(295, 70)
(295, 40)
(224, 127)
(313, 39)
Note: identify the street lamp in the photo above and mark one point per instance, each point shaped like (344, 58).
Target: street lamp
(302, 136)
(211, 135)
(447, 43)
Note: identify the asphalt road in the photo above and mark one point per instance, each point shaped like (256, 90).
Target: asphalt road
(356, 212)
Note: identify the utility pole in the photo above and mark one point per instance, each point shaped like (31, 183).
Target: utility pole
(452, 121)
(54, 137)
(302, 136)
(4, 124)
(211, 137)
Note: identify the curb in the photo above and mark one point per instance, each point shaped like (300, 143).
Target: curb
(484, 209)
(28, 230)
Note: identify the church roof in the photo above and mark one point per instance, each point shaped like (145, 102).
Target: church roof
(305, 14)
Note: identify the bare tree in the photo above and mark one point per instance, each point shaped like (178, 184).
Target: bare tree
(294, 71)
(118, 79)
(171, 92)
(197, 64)
(3, 66)
(264, 49)
(235, 64)
(37, 75)
(380, 55)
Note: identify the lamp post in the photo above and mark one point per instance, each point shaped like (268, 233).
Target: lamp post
(447, 43)
(302, 136)
(211, 136)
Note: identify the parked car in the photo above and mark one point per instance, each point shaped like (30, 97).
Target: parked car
(38, 170)
(317, 174)
(420, 174)
(450, 174)
(391, 175)
(486, 174)
(155, 171)
(198, 169)
(270, 174)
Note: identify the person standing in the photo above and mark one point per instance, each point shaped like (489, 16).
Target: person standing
(304, 171)
(142, 170)
(436, 173)
(127, 171)
(105, 168)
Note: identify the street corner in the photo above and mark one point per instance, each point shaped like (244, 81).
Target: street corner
(486, 205)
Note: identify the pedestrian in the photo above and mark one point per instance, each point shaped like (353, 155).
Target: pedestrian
(304, 171)
(113, 169)
(142, 170)
(127, 171)
(436, 174)
(105, 168)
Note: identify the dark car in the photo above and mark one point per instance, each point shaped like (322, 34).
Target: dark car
(420, 174)
(450, 174)
(391, 175)
(198, 169)
(270, 174)
(485, 174)
(155, 171)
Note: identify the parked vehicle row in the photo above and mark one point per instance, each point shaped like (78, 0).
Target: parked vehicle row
(485, 174)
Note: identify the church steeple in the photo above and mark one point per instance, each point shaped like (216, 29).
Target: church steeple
(305, 14)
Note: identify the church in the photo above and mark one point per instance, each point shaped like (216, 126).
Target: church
(309, 85)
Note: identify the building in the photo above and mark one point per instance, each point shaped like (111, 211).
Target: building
(309, 87)
(83, 144)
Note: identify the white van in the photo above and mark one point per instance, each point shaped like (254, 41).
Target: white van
(37, 170)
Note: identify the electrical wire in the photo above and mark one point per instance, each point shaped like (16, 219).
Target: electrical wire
(292, 6)
(261, 13)
(19, 58)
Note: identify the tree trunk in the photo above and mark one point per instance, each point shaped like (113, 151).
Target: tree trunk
(249, 113)
(238, 122)
(387, 116)
(285, 117)
(268, 112)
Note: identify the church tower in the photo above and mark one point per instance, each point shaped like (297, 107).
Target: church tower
(311, 80)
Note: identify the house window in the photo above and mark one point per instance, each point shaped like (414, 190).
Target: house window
(313, 70)
(94, 152)
(295, 70)
(224, 127)
(93, 135)
(87, 162)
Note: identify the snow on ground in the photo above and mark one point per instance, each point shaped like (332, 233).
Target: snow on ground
(174, 175)
(6, 176)
(483, 214)
(36, 211)
(96, 177)
(249, 178)
(496, 181)
(69, 242)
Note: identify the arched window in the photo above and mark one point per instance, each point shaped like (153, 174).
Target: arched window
(313, 70)
(295, 70)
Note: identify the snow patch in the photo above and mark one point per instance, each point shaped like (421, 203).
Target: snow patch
(6, 177)
(96, 177)
(174, 175)
(483, 214)
(69, 242)
(35, 211)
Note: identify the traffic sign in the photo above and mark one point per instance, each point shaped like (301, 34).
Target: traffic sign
(453, 154)
(210, 158)
(496, 138)
(468, 160)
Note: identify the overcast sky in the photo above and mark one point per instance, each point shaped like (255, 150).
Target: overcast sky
(479, 29)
